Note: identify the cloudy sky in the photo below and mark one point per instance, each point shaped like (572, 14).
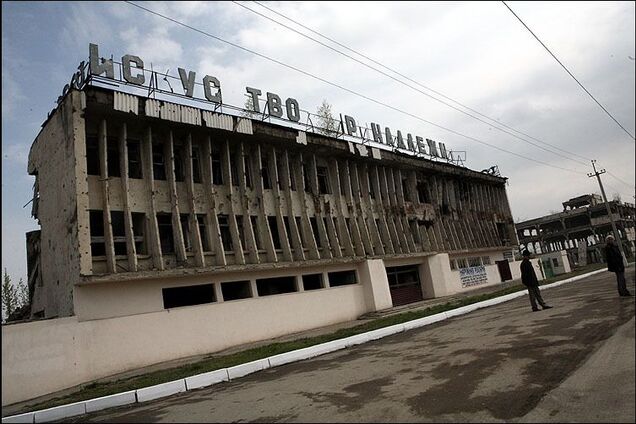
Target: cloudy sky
(476, 53)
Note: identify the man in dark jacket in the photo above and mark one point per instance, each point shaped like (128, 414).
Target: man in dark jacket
(615, 264)
(529, 279)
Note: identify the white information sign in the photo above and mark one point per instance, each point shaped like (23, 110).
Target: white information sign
(473, 276)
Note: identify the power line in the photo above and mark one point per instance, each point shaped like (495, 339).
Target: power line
(408, 85)
(568, 71)
(622, 181)
(345, 89)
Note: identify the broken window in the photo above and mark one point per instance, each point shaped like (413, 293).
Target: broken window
(205, 244)
(273, 228)
(241, 231)
(257, 234)
(179, 174)
(92, 155)
(342, 278)
(461, 263)
(303, 240)
(343, 180)
(112, 157)
(235, 290)
(158, 162)
(96, 223)
(139, 231)
(185, 230)
(175, 297)
(217, 171)
(371, 187)
(226, 235)
(196, 164)
(422, 192)
(306, 179)
(287, 227)
(234, 164)
(278, 285)
(119, 232)
(405, 189)
(166, 237)
(474, 262)
(415, 230)
(453, 264)
(485, 260)
(134, 159)
(314, 229)
(267, 183)
(312, 282)
(280, 172)
(248, 171)
(323, 179)
(292, 178)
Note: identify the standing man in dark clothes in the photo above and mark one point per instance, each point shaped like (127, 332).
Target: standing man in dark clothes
(615, 264)
(529, 279)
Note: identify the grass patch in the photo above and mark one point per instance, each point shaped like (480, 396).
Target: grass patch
(213, 362)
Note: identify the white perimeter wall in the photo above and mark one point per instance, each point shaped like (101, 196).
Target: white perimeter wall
(45, 356)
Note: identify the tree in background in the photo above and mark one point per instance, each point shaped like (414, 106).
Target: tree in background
(249, 108)
(326, 123)
(13, 298)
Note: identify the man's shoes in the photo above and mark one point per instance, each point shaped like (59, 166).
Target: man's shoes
(626, 294)
(547, 307)
(535, 309)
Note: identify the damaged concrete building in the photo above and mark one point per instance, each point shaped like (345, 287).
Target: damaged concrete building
(146, 206)
(581, 227)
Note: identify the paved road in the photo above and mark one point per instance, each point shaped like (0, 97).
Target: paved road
(574, 362)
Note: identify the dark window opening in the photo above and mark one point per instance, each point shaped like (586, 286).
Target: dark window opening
(205, 244)
(323, 179)
(405, 189)
(158, 162)
(267, 183)
(371, 186)
(312, 282)
(92, 155)
(166, 237)
(234, 164)
(278, 285)
(236, 290)
(139, 231)
(119, 232)
(112, 157)
(287, 227)
(415, 230)
(248, 171)
(196, 164)
(306, 179)
(342, 278)
(401, 276)
(273, 228)
(343, 181)
(175, 297)
(217, 171)
(185, 229)
(303, 241)
(314, 229)
(96, 222)
(257, 235)
(280, 172)
(241, 231)
(179, 174)
(422, 193)
(226, 236)
(134, 159)
(348, 225)
(292, 179)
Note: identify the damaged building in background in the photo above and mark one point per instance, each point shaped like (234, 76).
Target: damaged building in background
(147, 205)
(579, 230)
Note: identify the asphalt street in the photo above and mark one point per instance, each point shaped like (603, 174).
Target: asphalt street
(574, 362)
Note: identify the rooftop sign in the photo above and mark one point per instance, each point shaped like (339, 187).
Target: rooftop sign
(132, 72)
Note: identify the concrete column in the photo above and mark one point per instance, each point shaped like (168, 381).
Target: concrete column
(372, 274)
(436, 276)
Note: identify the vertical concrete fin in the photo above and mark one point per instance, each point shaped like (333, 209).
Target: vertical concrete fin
(177, 231)
(108, 229)
(154, 240)
(128, 225)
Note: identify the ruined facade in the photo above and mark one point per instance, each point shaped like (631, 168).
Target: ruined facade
(146, 205)
(583, 224)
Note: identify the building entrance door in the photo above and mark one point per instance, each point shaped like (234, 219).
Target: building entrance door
(404, 284)
(504, 270)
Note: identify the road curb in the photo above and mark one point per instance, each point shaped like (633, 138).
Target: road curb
(238, 371)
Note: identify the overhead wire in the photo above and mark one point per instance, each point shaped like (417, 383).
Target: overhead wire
(568, 71)
(263, 56)
(406, 84)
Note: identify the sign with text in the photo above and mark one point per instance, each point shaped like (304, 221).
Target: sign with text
(473, 276)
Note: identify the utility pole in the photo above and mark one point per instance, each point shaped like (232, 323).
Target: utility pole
(597, 174)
